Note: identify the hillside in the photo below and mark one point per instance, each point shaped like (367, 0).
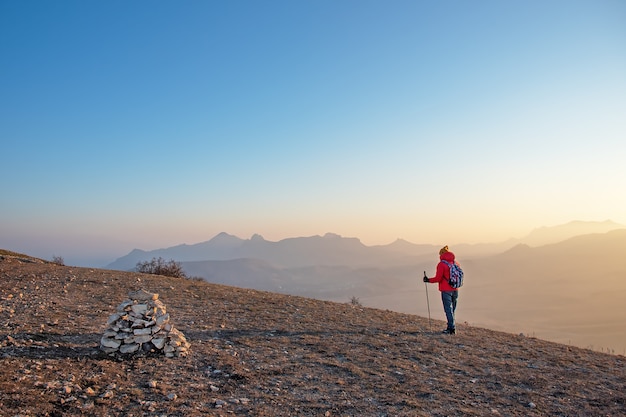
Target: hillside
(264, 354)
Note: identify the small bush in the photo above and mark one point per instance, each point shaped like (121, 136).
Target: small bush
(58, 260)
(195, 278)
(356, 302)
(158, 266)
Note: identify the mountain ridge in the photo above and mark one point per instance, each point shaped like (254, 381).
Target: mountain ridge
(333, 249)
(330, 249)
(553, 234)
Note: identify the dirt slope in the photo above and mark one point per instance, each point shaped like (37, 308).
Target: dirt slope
(263, 354)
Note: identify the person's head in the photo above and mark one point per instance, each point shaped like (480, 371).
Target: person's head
(446, 255)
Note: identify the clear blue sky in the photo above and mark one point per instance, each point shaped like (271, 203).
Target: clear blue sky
(147, 124)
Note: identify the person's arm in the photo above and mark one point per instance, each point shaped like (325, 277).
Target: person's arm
(439, 275)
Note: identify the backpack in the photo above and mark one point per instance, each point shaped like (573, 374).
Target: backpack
(456, 274)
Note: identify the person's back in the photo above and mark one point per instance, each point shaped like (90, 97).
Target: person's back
(444, 282)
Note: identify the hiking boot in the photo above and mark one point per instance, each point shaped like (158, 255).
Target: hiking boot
(449, 331)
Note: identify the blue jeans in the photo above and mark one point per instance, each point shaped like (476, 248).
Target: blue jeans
(449, 305)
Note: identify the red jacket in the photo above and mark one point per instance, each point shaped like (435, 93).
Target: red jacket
(443, 272)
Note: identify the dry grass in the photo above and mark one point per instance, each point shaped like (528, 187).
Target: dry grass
(263, 354)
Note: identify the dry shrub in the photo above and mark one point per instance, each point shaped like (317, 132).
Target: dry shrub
(158, 266)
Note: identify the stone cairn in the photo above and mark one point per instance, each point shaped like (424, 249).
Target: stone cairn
(141, 325)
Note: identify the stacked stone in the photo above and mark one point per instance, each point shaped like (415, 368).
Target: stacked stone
(141, 324)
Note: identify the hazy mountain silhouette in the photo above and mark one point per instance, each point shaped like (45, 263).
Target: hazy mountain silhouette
(540, 236)
(335, 250)
(327, 250)
(554, 234)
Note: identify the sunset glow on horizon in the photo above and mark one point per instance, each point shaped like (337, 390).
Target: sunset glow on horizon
(150, 124)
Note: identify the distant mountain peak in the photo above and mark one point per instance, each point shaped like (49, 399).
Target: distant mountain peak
(332, 236)
(553, 234)
(137, 251)
(224, 235)
(400, 241)
(224, 238)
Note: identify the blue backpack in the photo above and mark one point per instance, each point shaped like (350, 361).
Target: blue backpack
(456, 274)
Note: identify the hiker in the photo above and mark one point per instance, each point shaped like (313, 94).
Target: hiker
(449, 294)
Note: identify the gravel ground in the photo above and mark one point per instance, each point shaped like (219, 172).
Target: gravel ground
(263, 354)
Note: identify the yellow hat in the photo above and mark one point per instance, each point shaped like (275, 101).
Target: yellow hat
(443, 250)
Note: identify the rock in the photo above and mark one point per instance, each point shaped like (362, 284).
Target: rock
(142, 295)
(145, 338)
(139, 308)
(107, 394)
(113, 318)
(110, 343)
(160, 320)
(122, 307)
(110, 334)
(134, 347)
(141, 324)
(158, 342)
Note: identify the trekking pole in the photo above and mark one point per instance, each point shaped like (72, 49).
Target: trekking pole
(427, 302)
